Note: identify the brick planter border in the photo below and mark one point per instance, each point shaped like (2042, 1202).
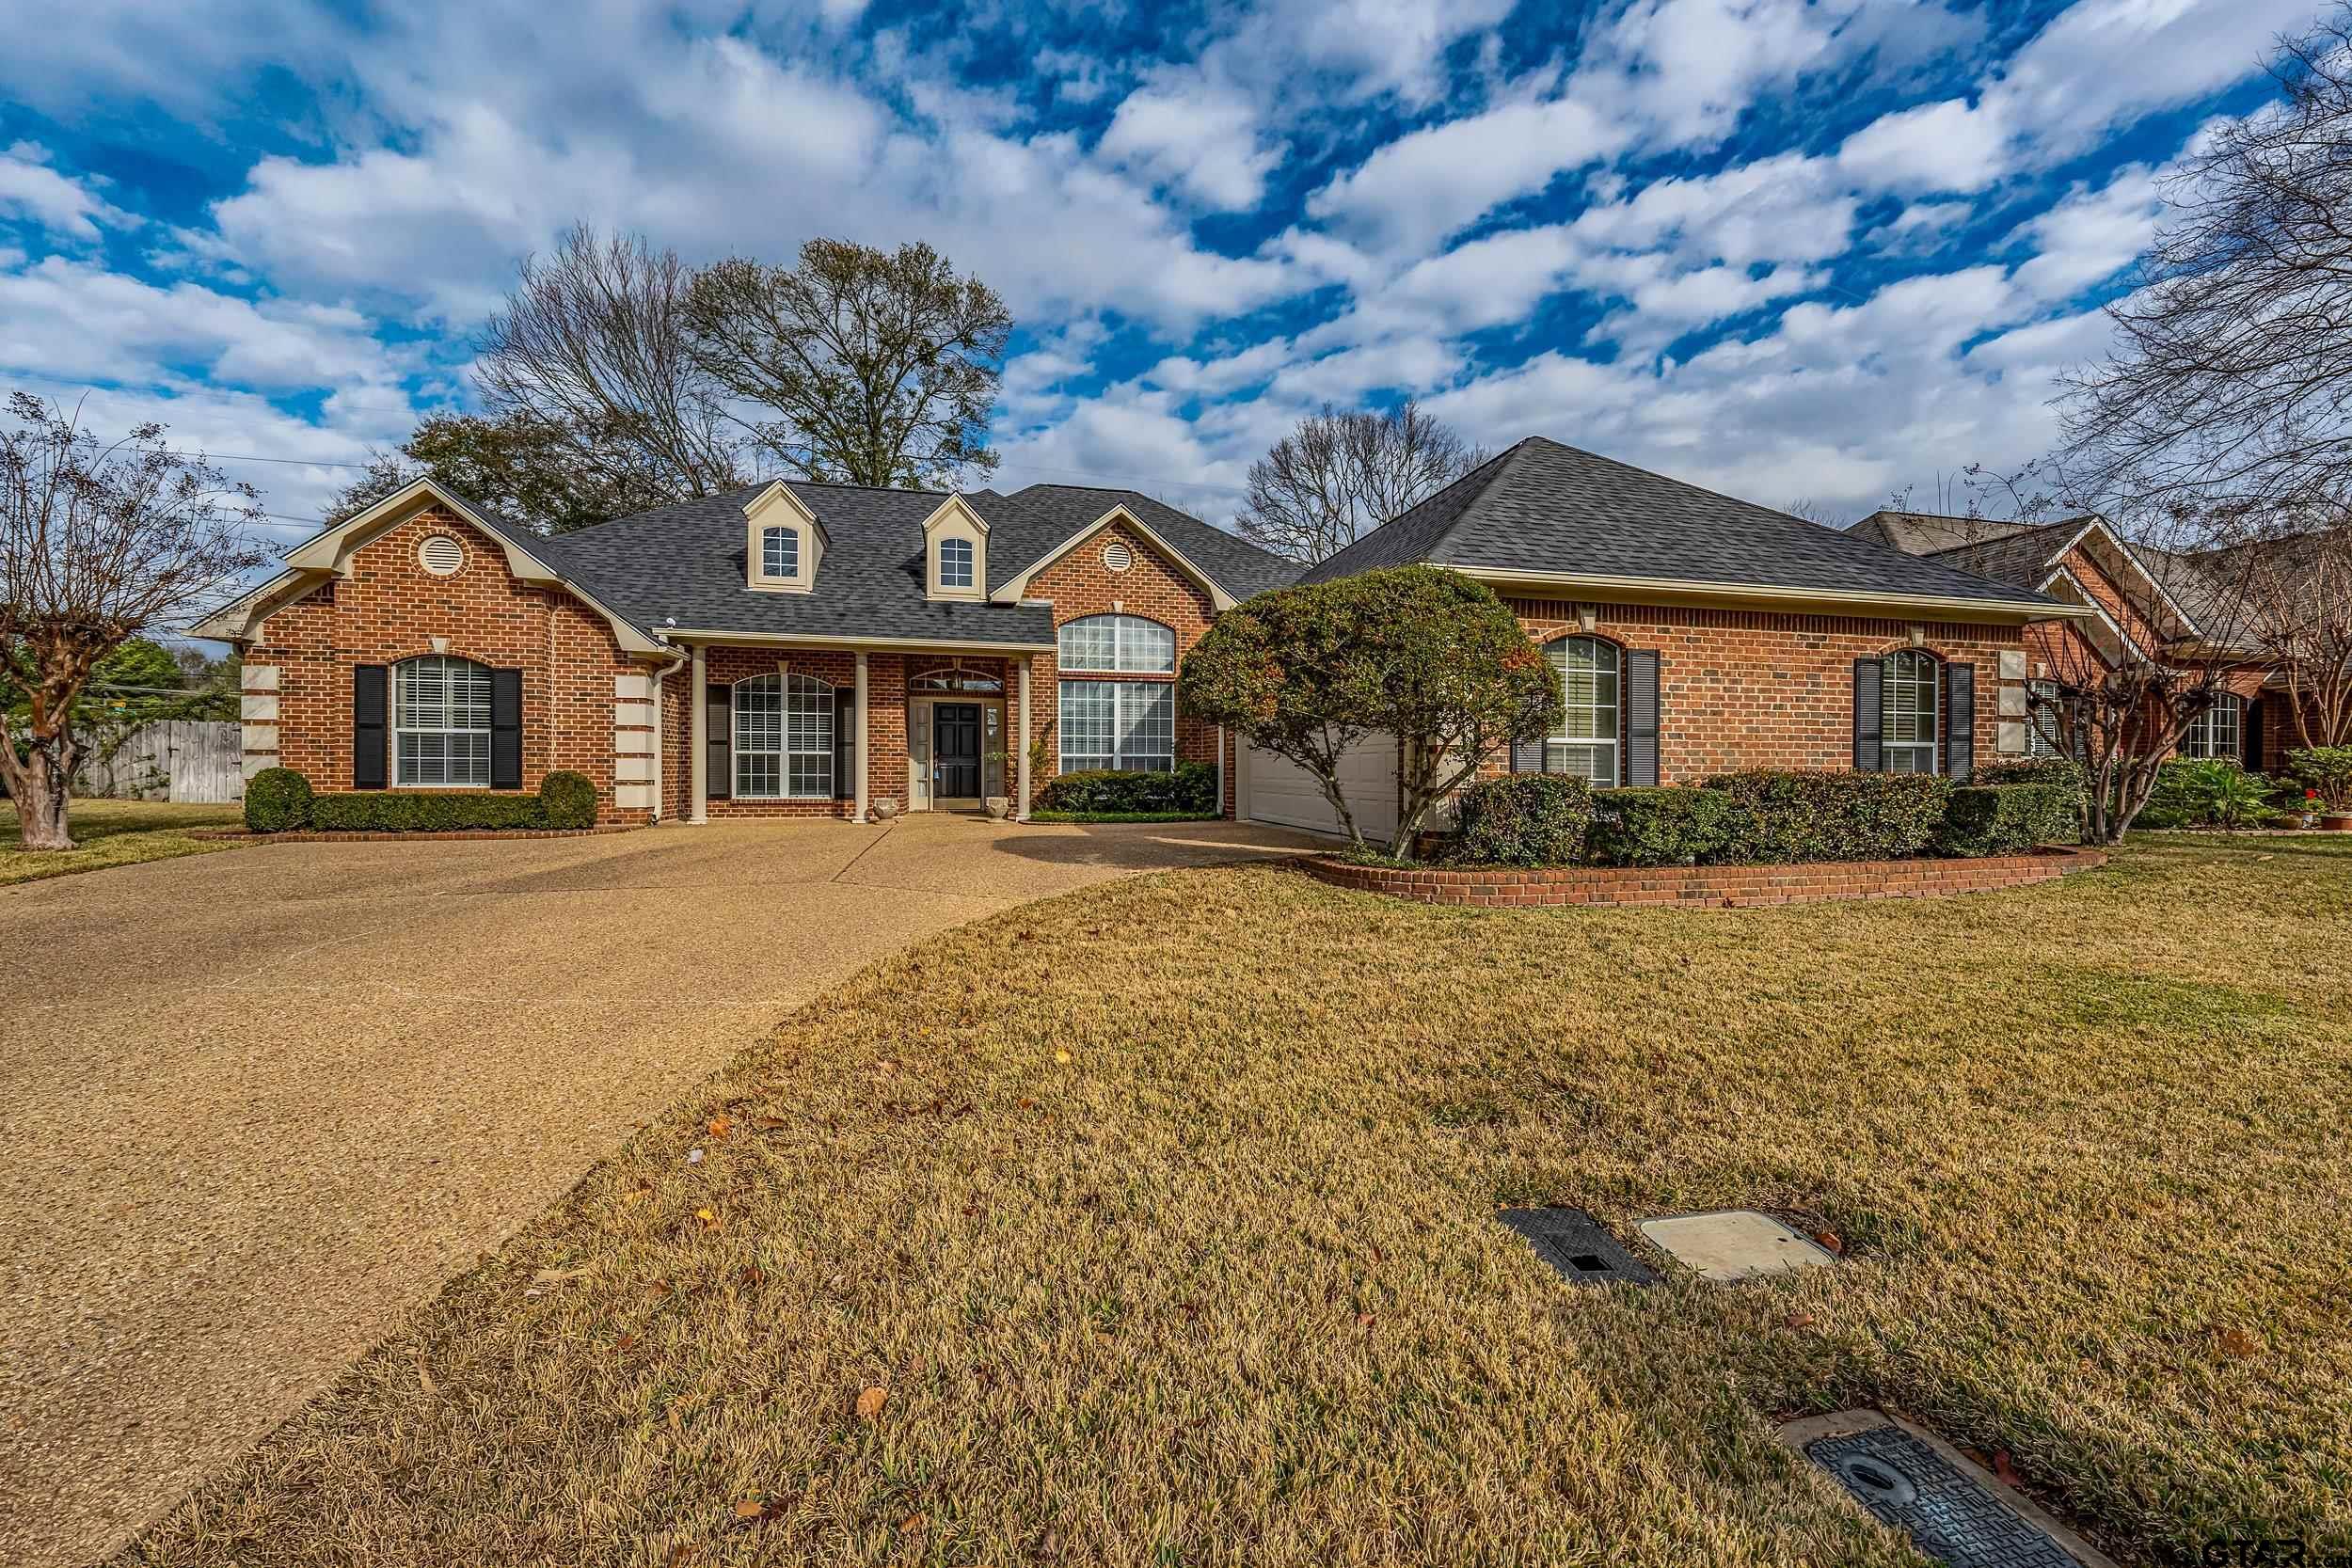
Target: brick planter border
(246, 835)
(1733, 887)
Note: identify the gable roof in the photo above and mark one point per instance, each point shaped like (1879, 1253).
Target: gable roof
(1030, 524)
(1550, 513)
(1928, 532)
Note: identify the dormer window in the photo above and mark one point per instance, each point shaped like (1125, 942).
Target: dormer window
(780, 552)
(955, 551)
(955, 563)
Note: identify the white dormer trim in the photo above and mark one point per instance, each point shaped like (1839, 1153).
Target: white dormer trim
(2118, 553)
(778, 507)
(2064, 584)
(955, 519)
(1012, 591)
(326, 556)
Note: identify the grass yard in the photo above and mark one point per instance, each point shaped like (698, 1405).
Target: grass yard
(114, 832)
(1222, 1283)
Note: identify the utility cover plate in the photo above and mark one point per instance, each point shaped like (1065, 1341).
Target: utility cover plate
(1952, 1511)
(1579, 1245)
(1734, 1243)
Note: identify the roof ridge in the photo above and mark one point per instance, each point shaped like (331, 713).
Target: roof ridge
(2018, 531)
(846, 484)
(1652, 474)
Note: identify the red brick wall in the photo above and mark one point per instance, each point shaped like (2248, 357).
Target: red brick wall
(390, 608)
(1761, 688)
(725, 666)
(1079, 585)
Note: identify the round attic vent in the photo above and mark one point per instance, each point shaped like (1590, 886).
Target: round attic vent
(441, 556)
(1118, 557)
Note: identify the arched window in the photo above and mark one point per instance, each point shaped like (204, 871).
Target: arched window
(441, 724)
(783, 738)
(957, 680)
(1586, 743)
(2219, 731)
(780, 552)
(1128, 644)
(955, 563)
(1908, 711)
(1107, 720)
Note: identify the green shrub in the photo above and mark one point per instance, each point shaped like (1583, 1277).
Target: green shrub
(1524, 819)
(1674, 825)
(2207, 792)
(2328, 769)
(368, 812)
(277, 800)
(1191, 789)
(568, 801)
(1782, 818)
(2065, 772)
(2008, 819)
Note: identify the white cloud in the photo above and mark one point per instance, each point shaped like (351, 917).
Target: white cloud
(1949, 146)
(2090, 235)
(1424, 186)
(1784, 208)
(1688, 69)
(30, 190)
(1187, 132)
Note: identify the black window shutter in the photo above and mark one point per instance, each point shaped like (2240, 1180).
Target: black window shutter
(2251, 735)
(1868, 676)
(719, 742)
(506, 728)
(1641, 717)
(371, 695)
(844, 743)
(1960, 719)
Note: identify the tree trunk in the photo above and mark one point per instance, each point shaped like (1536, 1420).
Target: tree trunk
(39, 788)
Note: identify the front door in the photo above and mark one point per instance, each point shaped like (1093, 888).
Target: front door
(956, 750)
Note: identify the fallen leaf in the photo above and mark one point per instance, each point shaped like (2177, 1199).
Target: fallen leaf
(768, 1124)
(1830, 1241)
(718, 1126)
(911, 1523)
(1364, 1320)
(1801, 1319)
(556, 1276)
(751, 1274)
(749, 1508)
(634, 1194)
(424, 1378)
(2237, 1342)
(1061, 1058)
(2004, 1471)
(710, 1221)
(869, 1404)
(625, 1341)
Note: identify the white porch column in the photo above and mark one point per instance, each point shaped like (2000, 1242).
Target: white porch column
(1021, 805)
(698, 765)
(864, 730)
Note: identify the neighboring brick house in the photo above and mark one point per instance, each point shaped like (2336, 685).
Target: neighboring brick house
(792, 649)
(2135, 613)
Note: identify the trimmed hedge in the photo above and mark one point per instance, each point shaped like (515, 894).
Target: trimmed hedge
(2007, 819)
(1524, 819)
(368, 812)
(1191, 789)
(1671, 825)
(277, 800)
(2063, 771)
(1791, 818)
(568, 800)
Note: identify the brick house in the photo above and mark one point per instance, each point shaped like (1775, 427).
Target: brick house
(2138, 608)
(796, 649)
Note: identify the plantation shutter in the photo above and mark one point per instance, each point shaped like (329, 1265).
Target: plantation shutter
(719, 742)
(1960, 719)
(844, 743)
(370, 692)
(506, 728)
(1641, 717)
(1869, 675)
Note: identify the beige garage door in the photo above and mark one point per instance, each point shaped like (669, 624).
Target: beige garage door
(1284, 794)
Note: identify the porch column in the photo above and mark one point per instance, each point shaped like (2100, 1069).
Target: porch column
(698, 762)
(1021, 805)
(864, 730)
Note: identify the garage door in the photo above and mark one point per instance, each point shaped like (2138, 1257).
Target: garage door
(1286, 794)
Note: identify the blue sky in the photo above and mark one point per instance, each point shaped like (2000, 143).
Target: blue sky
(1793, 250)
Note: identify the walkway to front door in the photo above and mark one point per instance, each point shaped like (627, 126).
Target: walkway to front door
(956, 750)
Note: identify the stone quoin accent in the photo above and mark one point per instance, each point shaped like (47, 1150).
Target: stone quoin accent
(1703, 886)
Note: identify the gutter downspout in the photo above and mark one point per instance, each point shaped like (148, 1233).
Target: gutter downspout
(660, 758)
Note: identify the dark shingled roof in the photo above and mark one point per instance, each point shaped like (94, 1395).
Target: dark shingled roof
(2024, 555)
(685, 562)
(1545, 507)
(1928, 532)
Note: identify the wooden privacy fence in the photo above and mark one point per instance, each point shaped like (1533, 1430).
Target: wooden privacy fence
(181, 759)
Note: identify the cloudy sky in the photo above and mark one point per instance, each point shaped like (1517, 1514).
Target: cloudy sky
(1810, 249)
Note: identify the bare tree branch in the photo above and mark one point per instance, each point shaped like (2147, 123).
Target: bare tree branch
(1340, 475)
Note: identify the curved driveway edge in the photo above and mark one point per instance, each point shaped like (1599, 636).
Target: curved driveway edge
(257, 1105)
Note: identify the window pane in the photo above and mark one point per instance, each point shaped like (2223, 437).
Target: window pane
(955, 563)
(1596, 765)
(1145, 647)
(1088, 717)
(780, 551)
(441, 723)
(1091, 644)
(1126, 643)
(1585, 743)
(808, 739)
(1147, 725)
(1907, 713)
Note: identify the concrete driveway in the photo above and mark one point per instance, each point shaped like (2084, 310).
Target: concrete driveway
(254, 1105)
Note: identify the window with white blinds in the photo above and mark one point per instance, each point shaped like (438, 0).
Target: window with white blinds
(1908, 713)
(1118, 724)
(1586, 743)
(441, 724)
(783, 738)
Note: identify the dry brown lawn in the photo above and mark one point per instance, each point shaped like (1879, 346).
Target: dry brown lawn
(1161, 1217)
(114, 832)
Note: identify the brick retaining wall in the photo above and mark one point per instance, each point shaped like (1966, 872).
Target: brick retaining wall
(1705, 886)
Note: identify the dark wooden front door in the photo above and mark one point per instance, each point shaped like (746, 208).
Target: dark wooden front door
(956, 749)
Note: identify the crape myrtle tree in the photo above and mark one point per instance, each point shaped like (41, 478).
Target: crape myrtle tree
(98, 545)
(1422, 653)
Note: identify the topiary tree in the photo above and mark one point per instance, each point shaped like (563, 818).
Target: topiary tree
(277, 800)
(1421, 653)
(568, 800)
